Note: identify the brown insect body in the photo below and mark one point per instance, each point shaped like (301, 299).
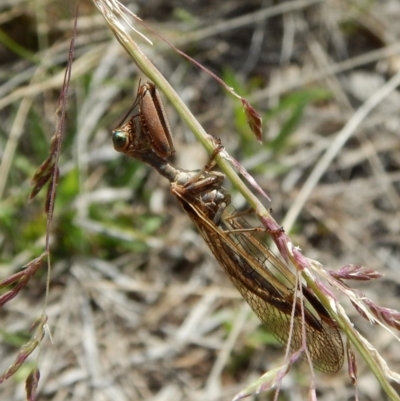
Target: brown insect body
(271, 300)
(154, 120)
(249, 263)
(149, 128)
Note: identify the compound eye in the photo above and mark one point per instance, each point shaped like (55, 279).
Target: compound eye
(120, 140)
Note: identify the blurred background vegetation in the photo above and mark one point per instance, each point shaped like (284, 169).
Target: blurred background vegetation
(138, 308)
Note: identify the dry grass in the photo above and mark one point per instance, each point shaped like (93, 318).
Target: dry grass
(138, 308)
